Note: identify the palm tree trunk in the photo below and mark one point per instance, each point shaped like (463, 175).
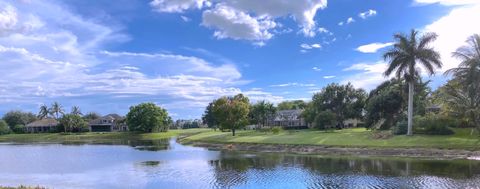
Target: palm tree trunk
(410, 108)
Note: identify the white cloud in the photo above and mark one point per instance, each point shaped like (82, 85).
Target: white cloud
(453, 30)
(311, 46)
(294, 84)
(367, 76)
(323, 30)
(248, 19)
(258, 95)
(316, 69)
(350, 20)
(171, 6)
(366, 14)
(340, 23)
(447, 2)
(52, 54)
(372, 47)
(231, 23)
(303, 11)
(328, 76)
(8, 18)
(185, 19)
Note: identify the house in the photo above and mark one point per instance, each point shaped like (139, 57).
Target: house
(434, 108)
(289, 119)
(349, 123)
(42, 126)
(108, 123)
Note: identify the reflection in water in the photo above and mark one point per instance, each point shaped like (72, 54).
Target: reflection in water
(167, 164)
(233, 169)
(150, 163)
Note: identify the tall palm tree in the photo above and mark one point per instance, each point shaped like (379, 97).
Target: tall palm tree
(403, 57)
(76, 111)
(56, 109)
(468, 74)
(44, 112)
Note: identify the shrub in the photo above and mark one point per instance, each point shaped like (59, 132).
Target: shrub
(325, 120)
(148, 117)
(434, 125)
(400, 128)
(19, 128)
(4, 129)
(276, 130)
(73, 123)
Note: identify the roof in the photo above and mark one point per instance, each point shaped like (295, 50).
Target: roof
(288, 115)
(47, 122)
(290, 112)
(114, 117)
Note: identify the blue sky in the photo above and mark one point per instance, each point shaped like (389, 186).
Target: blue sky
(105, 56)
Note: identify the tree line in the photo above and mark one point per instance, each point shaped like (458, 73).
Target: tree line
(391, 105)
(144, 117)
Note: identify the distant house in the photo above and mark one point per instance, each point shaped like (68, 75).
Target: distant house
(42, 126)
(349, 123)
(108, 123)
(289, 119)
(434, 108)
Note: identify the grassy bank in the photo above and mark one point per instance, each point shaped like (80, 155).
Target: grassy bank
(358, 137)
(94, 137)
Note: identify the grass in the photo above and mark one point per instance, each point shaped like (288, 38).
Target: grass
(94, 136)
(357, 137)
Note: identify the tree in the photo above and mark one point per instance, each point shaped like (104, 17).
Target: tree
(325, 120)
(16, 117)
(343, 100)
(76, 111)
(292, 105)
(56, 109)
(44, 112)
(73, 123)
(262, 111)
(148, 117)
(4, 129)
(208, 117)
(465, 96)
(403, 58)
(231, 112)
(384, 105)
(91, 116)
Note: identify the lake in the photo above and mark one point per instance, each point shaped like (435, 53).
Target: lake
(168, 164)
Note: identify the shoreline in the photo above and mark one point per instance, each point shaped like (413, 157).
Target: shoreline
(348, 151)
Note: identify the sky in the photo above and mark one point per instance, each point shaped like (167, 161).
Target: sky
(105, 56)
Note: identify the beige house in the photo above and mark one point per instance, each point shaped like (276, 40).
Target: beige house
(288, 119)
(42, 126)
(108, 123)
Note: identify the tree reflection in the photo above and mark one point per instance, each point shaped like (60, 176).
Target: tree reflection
(233, 168)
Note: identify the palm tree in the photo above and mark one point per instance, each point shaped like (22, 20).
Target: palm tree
(56, 109)
(468, 75)
(44, 112)
(76, 111)
(403, 57)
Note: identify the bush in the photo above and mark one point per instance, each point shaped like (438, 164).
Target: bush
(73, 123)
(325, 120)
(19, 128)
(148, 117)
(433, 125)
(4, 129)
(400, 128)
(276, 130)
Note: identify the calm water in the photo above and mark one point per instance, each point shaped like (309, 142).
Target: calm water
(167, 164)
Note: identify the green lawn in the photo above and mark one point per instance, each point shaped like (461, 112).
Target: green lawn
(358, 137)
(94, 137)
